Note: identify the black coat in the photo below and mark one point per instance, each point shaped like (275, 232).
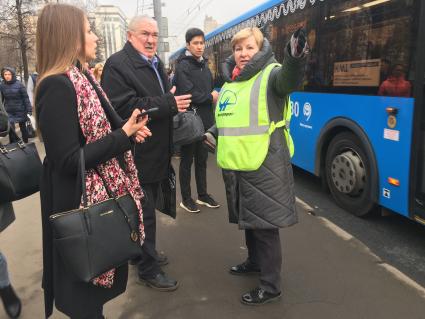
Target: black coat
(194, 77)
(60, 191)
(130, 82)
(16, 101)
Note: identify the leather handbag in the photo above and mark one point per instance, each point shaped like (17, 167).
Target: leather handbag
(30, 128)
(187, 128)
(20, 170)
(93, 239)
(166, 199)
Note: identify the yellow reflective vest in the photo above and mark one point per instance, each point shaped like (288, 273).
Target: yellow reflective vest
(243, 123)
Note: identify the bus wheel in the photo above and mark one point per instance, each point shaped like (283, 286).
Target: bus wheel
(348, 174)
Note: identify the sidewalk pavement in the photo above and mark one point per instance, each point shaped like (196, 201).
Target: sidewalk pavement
(326, 273)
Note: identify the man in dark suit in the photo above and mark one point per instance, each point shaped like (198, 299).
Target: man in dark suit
(135, 78)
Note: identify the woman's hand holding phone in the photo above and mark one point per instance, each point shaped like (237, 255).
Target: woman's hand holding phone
(136, 126)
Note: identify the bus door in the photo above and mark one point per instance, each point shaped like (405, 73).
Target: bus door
(418, 149)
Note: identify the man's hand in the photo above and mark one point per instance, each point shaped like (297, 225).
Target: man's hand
(182, 101)
(209, 142)
(215, 95)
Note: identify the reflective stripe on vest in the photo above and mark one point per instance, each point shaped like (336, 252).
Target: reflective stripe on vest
(244, 125)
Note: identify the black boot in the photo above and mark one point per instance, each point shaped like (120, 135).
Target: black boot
(11, 302)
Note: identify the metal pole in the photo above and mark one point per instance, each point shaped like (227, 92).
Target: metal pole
(158, 17)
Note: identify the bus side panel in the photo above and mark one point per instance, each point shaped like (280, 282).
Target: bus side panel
(312, 111)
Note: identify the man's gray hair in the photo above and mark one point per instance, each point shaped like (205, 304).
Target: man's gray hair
(135, 21)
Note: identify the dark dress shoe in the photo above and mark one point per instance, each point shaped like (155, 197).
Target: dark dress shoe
(245, 269)
(11, 302)
(160, 282)
(259, 296)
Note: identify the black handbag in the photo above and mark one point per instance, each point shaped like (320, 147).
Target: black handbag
(166, 198)
(30, 128)
(20, 170)
(187, 128)
(95, 239)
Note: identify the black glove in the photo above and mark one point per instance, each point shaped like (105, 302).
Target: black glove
(298, 43)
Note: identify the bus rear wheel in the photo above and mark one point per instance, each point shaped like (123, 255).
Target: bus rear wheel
(348, 174)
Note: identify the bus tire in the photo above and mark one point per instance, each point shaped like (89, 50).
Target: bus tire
(348, 174)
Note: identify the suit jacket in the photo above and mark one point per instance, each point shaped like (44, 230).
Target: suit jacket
(131, 82)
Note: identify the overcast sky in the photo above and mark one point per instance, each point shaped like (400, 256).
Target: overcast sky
(183, 14)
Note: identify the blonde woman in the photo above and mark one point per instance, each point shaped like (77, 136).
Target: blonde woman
(254, 151)
(73, 113)
(98, 69)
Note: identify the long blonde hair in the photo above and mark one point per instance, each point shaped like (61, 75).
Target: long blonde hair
(60, 39)
(97, 68)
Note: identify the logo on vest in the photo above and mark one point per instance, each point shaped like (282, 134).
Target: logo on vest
(227, 99)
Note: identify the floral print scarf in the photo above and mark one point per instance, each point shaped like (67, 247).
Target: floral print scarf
(95, 125)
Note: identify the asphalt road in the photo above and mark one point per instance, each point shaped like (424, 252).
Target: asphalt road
(397, 240)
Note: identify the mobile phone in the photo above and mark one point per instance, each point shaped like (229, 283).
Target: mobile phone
(148, 112)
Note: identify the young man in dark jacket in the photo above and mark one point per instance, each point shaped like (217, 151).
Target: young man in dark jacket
(193, 76)
(135, 78)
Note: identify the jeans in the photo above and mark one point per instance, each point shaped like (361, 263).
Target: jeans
(24, 132)
(188, 152)
(4, 275)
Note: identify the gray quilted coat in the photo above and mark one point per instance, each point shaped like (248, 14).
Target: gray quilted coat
(265, 199)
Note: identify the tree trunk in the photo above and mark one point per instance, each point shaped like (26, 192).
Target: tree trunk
(22, 40)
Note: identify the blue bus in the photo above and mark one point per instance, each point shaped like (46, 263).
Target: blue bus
(358, 123)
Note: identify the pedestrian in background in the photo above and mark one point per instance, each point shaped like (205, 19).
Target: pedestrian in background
(73, 114)
(135, 78)
(16, 102)
(98, 69)
(11, 302)
(396, 85)
(254, 147)
(193, 77)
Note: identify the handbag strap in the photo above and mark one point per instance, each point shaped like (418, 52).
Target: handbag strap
(108, 190)
(83, 177)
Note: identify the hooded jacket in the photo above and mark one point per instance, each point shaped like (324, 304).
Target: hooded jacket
(15, 98)
(264, 198)
(194, 77)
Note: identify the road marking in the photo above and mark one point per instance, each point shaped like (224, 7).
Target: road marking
(360, 245)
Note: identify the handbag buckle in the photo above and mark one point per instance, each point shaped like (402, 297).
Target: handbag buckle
(21, 144)
(3, 150)
(134, 236)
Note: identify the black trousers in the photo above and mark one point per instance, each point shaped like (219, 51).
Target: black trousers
(264, 250)
(24, 132)
(148, 266)
(95, 315)
(187, 153)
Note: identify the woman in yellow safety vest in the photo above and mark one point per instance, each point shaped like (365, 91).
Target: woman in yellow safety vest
(254, 149)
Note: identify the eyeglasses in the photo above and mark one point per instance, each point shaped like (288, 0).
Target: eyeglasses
(145, 35)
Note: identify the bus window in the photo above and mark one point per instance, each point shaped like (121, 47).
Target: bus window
(355, 45)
